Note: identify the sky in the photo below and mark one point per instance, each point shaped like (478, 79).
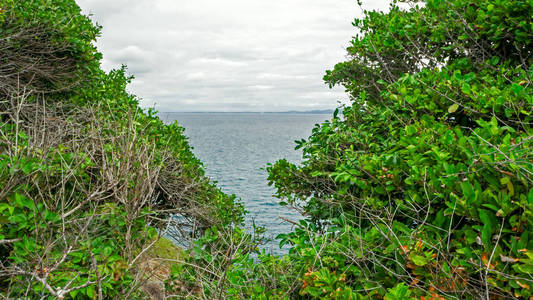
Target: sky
(228, 55)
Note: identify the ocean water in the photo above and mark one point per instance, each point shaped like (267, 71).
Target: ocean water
(235, 148)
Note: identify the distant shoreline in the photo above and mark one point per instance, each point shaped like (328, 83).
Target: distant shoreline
(310, 112)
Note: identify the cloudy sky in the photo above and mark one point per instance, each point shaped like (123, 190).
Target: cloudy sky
(228, 55)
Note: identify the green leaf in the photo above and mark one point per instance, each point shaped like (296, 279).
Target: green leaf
(466, 88)
(494, 60)
(453, 108)
(27, 168)
(90, 291)
(418, 259)
(22, 201)
(491, 206)
(4, 206)
(526, 269)
(399, 292)
(489, 221)
(517, 89)
(74, 293)
(505, 180)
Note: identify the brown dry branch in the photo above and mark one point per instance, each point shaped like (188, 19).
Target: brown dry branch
(128, 175)
(33, 59)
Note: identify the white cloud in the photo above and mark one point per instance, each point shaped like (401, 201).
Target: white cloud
(261, 87)
(231, 55)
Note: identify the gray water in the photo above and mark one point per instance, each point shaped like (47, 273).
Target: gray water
(235, 148)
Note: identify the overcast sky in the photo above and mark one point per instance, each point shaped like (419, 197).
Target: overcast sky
(228, 55)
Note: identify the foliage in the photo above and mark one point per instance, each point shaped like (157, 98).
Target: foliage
(422, 187)
(88, 180)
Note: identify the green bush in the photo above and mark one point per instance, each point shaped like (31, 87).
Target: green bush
(423, 185)
(88, 180)
(421, 188)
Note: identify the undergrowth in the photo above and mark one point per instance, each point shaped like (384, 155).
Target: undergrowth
(88, 180)
(420, 188)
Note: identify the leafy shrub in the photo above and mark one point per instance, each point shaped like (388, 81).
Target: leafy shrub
(422, 187)
(88, 180)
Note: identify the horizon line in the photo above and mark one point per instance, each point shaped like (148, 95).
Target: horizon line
(255, 112)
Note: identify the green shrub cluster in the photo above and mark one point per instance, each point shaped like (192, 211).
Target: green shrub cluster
(422, 187)
(88, 180)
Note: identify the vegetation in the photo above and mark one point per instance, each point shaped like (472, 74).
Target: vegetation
(88, 180)
(421, 188)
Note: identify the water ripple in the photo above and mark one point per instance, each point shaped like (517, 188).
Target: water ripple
(235, 149)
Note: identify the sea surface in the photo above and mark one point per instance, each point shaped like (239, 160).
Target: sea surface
(235, 148)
